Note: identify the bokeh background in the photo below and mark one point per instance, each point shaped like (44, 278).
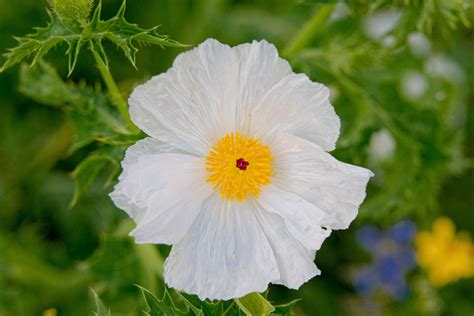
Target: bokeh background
(401, 78)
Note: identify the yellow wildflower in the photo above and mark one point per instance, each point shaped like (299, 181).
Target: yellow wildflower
(445, 255)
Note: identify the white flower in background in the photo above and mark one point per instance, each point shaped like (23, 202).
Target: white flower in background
(413, 85)
(381, 146)
(376, 26)
(341, 11)
(445, 67)
(389, 41)
(419, 44)
(235, 174)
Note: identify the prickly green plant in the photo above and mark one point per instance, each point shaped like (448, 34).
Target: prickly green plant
(371, 81)
(101, 119)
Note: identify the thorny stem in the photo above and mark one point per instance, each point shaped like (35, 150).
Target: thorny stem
(309, 30)
(115, 95)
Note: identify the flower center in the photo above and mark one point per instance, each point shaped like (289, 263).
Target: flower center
(238, 166)
(241, 164)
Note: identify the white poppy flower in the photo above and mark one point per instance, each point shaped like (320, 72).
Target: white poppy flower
(235, 174)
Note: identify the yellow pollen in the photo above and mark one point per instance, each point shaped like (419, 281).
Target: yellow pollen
(238, 166)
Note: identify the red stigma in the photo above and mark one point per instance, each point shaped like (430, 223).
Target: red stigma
(241, 164)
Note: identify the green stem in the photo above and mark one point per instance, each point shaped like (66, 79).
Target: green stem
(115, 95)
(309, 30)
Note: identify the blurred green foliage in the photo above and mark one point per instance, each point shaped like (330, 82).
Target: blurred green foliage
(401, 77)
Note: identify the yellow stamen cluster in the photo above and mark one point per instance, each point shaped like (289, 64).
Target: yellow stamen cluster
(239, 182)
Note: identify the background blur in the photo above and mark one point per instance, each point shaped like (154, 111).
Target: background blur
(401, 77)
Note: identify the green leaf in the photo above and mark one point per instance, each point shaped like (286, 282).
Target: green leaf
(90, 111)
(79, 31)
(124, 34)
(73, 53)
(86, 172)
(199, 307)
(254, 304)
(101, 310)
(230, 308)
(43, 84)
(95, 45)
(93, 117)
(163, 307)
(120, 139)
(93, 122)
(285, 309)
(41, 42)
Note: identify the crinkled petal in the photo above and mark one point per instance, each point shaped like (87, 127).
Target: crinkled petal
(146, 146)
(298, 106)
(162, 192)
(295, 262)
(305, 169)
(194, 102)
(260, 69)
(302, 218)
(224, 255)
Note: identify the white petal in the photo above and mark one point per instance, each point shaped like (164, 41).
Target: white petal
(304, 220)
(260, 70)
(295, 262)
(163, 193)
(301, 107)
(193, 103)
(224, 255)
(143, 147)
(332, 186)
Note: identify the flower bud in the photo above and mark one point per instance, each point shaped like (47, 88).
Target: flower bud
(75, 10)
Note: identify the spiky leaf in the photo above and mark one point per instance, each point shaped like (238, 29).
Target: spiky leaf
(41, 42)
(63, 29)
(125, 34)
(88, 170)
(285, 309)
(101, 309)
(163, 307)
(89, 109)
(201, 308)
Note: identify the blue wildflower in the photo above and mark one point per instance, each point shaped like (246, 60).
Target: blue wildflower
(393, 257)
